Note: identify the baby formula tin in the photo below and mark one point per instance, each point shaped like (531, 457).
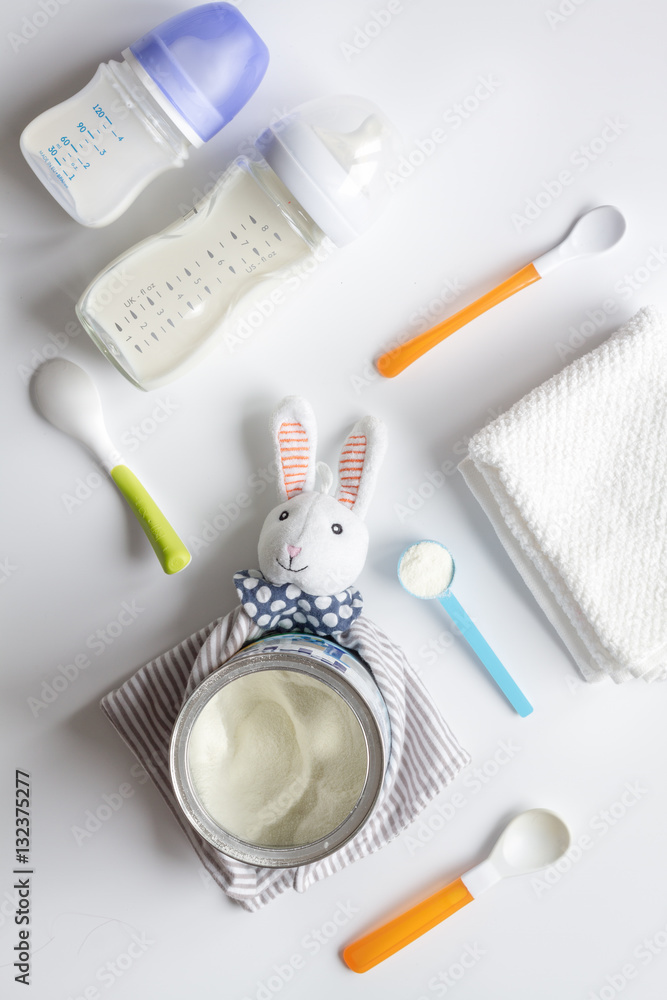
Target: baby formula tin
(278, 757)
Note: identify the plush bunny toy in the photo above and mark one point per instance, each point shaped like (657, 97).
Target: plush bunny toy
(313, 546)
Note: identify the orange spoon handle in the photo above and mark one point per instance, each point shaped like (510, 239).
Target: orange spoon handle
(394, 361)
(362, 955)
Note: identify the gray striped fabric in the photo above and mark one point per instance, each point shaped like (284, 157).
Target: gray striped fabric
(424, 758)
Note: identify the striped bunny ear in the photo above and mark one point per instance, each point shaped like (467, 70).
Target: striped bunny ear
(359, 464)
(294, 434)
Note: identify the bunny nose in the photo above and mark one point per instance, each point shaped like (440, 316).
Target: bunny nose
(293, 551)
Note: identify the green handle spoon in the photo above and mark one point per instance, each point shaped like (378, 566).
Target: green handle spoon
(68, 398)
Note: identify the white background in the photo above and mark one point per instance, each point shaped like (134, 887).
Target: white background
(458, 221)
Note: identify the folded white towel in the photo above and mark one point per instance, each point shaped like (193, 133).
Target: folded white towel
(574, 480)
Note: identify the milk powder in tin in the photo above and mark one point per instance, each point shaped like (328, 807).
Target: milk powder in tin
(278, 758)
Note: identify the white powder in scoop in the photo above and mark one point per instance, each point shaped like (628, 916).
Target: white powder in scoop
(277, 758)
(426, 569)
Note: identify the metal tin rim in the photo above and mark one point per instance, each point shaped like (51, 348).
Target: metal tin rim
(276, 857)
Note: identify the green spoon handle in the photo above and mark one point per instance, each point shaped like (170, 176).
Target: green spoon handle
(168, 547)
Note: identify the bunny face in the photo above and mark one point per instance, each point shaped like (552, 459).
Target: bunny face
(315, 542)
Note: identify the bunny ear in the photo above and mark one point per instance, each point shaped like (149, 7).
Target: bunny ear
(360, 461)
(323, 477)
(294, 434)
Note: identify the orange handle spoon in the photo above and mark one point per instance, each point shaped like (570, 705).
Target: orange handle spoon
(592, 233)
(393, 362)
(373, 948)
(532, 840)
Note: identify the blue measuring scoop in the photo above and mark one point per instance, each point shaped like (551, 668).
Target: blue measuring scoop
(426, 570)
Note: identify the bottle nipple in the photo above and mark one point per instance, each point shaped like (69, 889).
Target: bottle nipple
(357, 152)
(334, 155)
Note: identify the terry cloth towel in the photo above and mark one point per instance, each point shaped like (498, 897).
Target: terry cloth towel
(574, 480)
(424, 756)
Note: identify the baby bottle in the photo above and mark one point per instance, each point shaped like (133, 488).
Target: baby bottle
(319, 175)
(175, 88)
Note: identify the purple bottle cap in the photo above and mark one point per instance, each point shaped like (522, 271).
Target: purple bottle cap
(207, 61)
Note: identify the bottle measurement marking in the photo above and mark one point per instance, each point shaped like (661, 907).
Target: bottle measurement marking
(133, 327)
(68, 156)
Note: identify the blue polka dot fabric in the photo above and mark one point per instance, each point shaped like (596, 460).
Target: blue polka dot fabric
(286, 608)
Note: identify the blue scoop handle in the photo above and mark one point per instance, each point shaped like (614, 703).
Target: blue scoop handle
(478, 643)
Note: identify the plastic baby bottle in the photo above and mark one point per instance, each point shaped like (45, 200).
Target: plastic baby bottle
(176, 87)
(161, 306)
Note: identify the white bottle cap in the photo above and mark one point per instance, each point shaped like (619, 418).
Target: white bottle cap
(333, 156)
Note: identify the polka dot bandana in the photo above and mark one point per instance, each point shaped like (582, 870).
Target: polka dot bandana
(286, 607)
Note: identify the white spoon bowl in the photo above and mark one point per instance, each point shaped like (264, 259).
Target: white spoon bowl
(67, 396)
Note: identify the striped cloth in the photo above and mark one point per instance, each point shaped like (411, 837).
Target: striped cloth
(424, 759)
